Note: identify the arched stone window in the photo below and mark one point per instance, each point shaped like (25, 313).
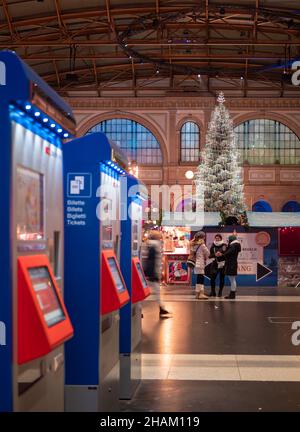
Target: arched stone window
(189, 142)
(134, 139)
(264, 141)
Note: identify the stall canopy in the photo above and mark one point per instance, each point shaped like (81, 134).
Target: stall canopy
(212, 219)
(274, 219)
(191, 219)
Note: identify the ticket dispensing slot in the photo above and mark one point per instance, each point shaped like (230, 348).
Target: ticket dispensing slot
(115, 294)
(140, 287)
(43, 321)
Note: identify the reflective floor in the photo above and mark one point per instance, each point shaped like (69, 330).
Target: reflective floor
(220, 355)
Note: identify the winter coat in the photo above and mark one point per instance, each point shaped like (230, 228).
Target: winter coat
(152, 264)
(218, 248)
(202, 254)
(231, 258)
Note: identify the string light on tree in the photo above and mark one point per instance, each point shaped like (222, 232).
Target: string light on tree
(218, 177)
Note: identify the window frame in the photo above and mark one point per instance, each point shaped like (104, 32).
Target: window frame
(127, 131)
(267, 142)
(198, 132)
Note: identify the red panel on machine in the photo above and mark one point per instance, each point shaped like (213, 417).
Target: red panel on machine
(43, 321)
(114, 293)
(140, 288)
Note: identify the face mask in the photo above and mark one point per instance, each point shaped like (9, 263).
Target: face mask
(218, 242)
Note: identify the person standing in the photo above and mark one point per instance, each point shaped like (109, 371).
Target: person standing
(153, 268)
(218, 246)
(201, 255)
(231, 263)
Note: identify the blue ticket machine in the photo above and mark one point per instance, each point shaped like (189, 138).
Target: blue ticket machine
(133, 195)
(34, 122)
(95, 289)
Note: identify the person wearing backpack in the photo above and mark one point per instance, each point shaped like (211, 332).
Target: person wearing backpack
(201, 253)
(153, 268)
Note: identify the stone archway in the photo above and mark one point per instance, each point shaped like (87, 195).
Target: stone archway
(92, 121)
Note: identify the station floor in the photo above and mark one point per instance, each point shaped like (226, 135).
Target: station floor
(219, 355)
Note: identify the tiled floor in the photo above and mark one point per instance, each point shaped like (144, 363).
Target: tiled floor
(214, 396)
(220, 355)
(227, 327)
(197, 367)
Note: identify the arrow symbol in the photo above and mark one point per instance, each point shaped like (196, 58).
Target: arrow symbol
(262, 271)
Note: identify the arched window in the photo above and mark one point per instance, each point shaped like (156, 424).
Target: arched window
(265, 141)
(189, 142)
(133, 138)
(261, 206)
(291, 206)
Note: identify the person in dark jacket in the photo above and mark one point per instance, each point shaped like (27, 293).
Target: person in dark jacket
(218, 246)
(153, 269)
(231, 263)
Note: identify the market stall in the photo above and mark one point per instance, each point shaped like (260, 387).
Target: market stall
(176, 245)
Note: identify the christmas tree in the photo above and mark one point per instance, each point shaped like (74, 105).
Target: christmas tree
(218, 178)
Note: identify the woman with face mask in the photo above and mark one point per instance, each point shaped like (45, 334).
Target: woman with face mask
(231, 263)
(218, 246)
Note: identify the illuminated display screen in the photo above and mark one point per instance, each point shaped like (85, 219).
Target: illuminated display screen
(46, 295)
(141, 274)
(116, 274)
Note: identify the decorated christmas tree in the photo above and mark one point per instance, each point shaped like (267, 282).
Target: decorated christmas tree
(218, 178)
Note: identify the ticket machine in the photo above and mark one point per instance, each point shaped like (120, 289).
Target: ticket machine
(34, 121)
(95, 289)
(133, 194)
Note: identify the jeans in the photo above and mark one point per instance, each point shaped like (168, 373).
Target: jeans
(155, 291)
(222, 279)
(232, 283)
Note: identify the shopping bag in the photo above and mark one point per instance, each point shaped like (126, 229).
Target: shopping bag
(211, 269)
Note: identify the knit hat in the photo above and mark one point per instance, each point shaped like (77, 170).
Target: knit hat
(231, 238)
(200, 235)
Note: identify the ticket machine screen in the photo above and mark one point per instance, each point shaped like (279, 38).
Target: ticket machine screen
(141, 274)
(116, 274)
(46, 295)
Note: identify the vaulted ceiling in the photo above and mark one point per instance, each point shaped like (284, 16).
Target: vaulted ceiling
(156, 47)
